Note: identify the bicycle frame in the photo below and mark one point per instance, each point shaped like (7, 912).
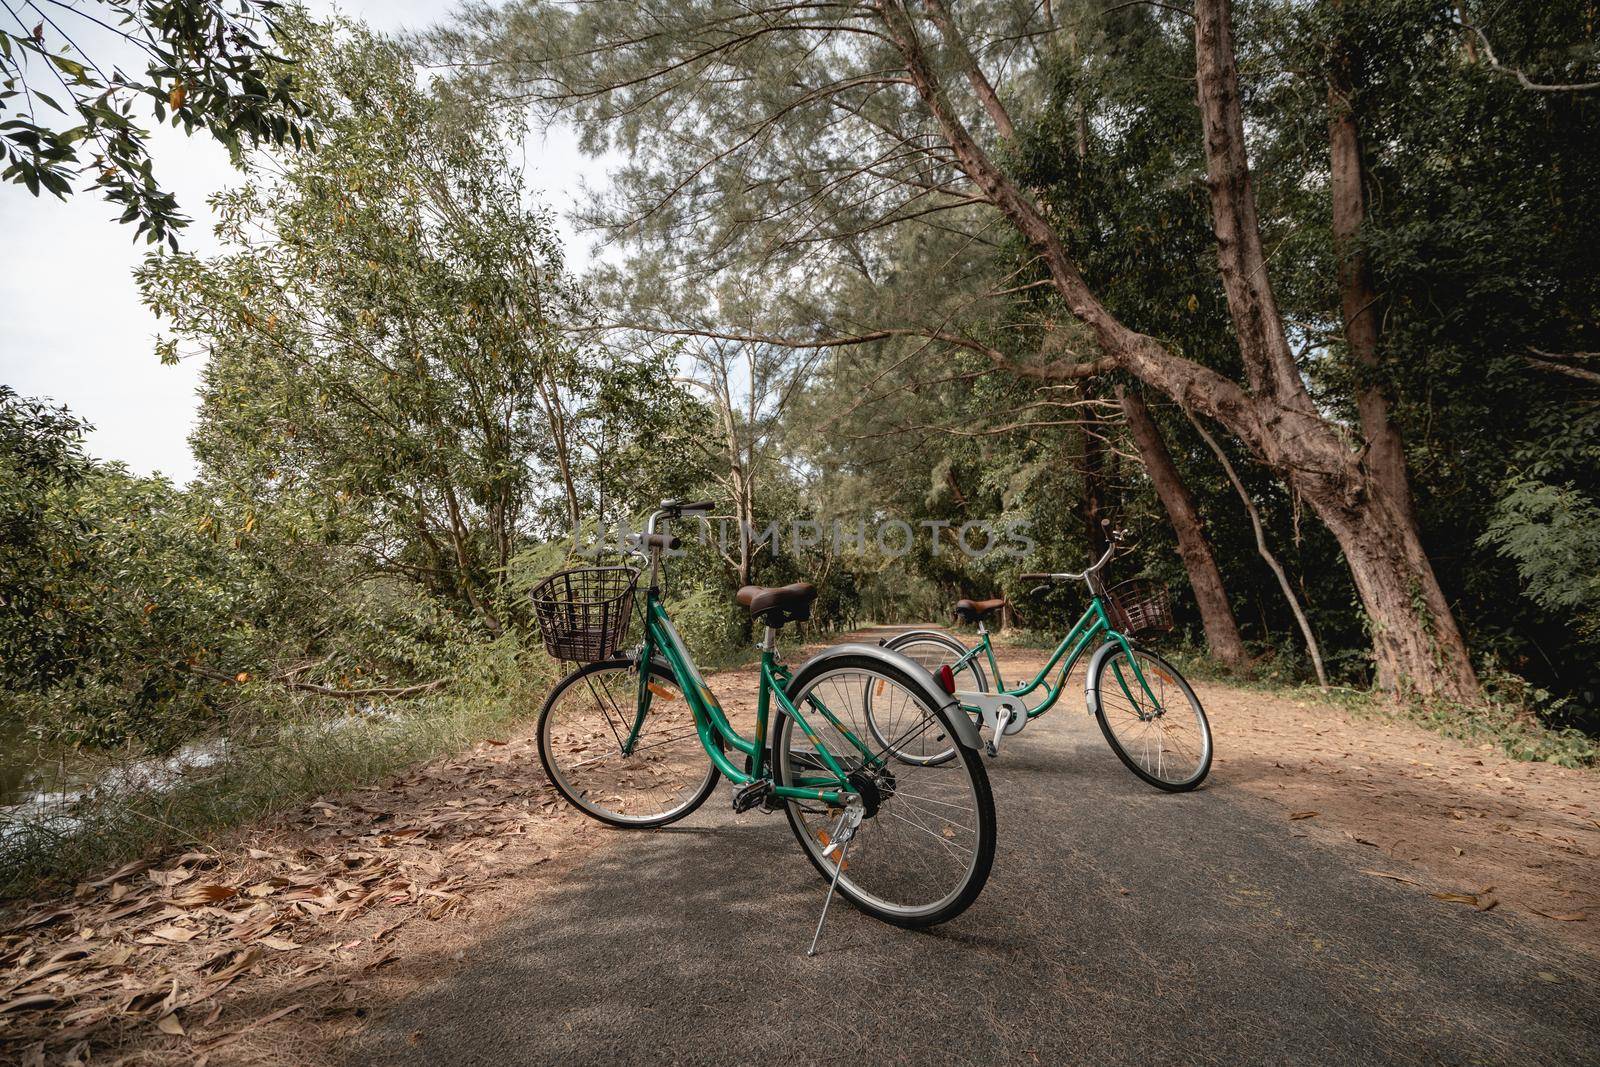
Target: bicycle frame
(715, 731)
(1090, 624)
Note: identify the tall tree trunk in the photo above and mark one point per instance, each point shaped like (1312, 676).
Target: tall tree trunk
(1364, 500)
(1416, 644)
(1211, 596)
(550, 396)
(1091, 504)
(1358, 295)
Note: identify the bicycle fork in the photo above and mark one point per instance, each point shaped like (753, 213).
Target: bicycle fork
(844, 831)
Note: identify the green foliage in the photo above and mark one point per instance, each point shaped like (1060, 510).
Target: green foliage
(713, 627)
(41, 457)
(388, 343)
(1489, 281)
(391, 410)
(1552, 534)
(208, 64)
(157, 618)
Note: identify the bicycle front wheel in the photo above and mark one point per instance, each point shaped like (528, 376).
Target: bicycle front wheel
(924, 849)
(585, 731)
(1161, 735)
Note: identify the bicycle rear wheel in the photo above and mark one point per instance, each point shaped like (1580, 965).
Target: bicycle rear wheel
(583, 732)
(924, 850)
(1165, 741)
(932, 650)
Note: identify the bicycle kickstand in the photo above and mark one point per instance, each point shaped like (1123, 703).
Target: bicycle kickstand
(844, 831)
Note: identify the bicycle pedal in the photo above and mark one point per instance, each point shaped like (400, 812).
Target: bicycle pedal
(754, 794)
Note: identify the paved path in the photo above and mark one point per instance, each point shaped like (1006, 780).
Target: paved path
(1120, 925)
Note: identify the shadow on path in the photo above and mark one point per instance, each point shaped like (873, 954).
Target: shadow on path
(1121, 925)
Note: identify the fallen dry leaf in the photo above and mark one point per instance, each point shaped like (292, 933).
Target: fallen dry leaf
(1483, 901)
(170, 878)
(169, 1024)
(275, 1016)
(32, 1000)
(1392, 877)
(278, 943)
(1296, 815)
(195, 896)
(1561, 916)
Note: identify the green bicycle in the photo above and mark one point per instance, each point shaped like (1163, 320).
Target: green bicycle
(637, 740)
(1147, 711)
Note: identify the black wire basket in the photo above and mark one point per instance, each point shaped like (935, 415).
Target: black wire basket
(583, 614)
(1139, 606)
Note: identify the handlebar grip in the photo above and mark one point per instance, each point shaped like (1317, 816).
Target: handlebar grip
(660, 540)
(681, 507)
(1033, 577)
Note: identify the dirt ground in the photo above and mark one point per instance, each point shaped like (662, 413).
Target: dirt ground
(275, 943)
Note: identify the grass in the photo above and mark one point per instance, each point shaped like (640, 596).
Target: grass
(275, 768)
(1513, 730)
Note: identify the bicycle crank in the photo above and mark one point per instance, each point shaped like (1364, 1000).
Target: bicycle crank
(1002, 714)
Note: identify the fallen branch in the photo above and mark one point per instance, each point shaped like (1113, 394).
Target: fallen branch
(1554, 364)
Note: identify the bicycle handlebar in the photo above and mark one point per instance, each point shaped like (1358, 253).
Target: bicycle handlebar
(1070, 576)
(677, 509)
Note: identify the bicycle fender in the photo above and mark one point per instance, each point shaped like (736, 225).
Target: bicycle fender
(966, 730)
(1093, 672)
(906, 635)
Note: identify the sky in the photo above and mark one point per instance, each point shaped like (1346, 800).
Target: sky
(73, 329)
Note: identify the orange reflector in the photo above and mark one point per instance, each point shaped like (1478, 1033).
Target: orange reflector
(822, 835)
(878, 691)
(661, 691)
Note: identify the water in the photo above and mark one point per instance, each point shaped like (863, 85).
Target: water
(30, 772)
(43, 781)
(39, 784)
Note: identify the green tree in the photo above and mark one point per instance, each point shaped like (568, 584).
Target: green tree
(41, 457)
(209, 65)
(813, 128)
(386, 338)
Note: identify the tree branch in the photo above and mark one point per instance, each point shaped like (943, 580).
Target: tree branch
(1523, 79)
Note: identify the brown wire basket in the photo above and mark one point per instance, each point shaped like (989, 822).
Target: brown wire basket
(1139, 606)
(583, 614)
